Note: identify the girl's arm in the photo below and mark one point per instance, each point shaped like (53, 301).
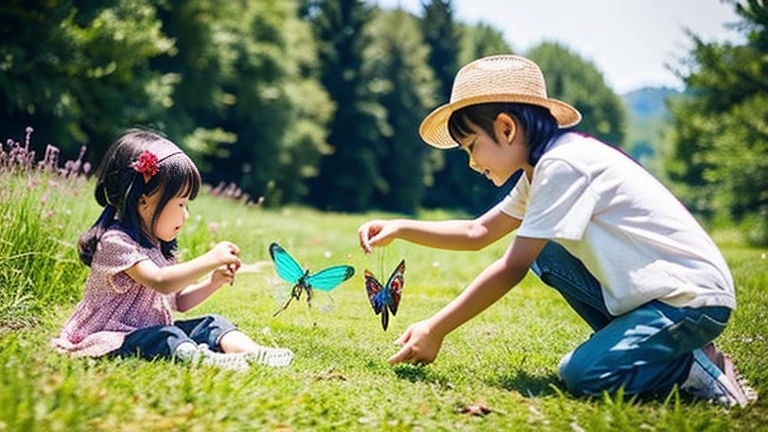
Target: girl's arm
(421, 341)
(195, 294)
(451, 234)
(172, 278)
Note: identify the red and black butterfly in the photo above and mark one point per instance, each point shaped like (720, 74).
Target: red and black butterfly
(385, 299)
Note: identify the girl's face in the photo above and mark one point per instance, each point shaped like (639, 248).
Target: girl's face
(172, 216)
(498, 157)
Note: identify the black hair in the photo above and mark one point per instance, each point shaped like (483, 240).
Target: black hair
(539, 125)
(119, 187)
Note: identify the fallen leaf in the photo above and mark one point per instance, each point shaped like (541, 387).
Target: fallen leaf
(331, 375)
(479, 408)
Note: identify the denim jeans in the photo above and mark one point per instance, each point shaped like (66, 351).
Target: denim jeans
(647, 349)
(161, 341)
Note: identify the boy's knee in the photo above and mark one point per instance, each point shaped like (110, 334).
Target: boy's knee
(578, 375)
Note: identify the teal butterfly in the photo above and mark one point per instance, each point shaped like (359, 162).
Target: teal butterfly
(304, 281)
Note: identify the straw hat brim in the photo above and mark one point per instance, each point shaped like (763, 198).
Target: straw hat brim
(434, 128)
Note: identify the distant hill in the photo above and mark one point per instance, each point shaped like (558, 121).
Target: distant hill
(648, 119)
(649, 102)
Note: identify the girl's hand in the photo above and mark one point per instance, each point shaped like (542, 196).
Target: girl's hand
(223, 275)
(376, 233)
(420, 345)
(226, 253)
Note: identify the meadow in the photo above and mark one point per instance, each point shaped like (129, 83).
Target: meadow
(498, 372)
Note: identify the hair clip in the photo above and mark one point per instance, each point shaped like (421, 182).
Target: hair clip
(146, 164)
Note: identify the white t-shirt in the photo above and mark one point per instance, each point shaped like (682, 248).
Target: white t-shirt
(630, 232)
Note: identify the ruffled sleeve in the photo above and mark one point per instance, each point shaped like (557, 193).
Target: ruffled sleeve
(116, 253)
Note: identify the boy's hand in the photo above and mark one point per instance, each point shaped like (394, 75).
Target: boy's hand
(420, 345)
(374, 234)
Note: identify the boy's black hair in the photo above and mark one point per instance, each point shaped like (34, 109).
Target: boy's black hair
(538, 124)
(119, 187)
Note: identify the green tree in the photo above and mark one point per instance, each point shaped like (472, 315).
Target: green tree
(455, 185)
(350, 172)
(79, 72)
(481, 40)
(248, 104)
(405, 87)
(719, 141)
(578, 82)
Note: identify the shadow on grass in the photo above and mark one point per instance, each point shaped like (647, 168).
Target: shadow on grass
(421, 373)
(529, 385)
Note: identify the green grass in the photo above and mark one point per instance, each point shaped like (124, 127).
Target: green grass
(339, 379)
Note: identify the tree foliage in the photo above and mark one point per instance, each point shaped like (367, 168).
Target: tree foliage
(719, 141)
(300, 101)
(80, 71)
(481, 40)
(405, 87)
(576, 81)
(349, 173)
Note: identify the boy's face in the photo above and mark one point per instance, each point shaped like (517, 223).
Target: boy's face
(498, 157)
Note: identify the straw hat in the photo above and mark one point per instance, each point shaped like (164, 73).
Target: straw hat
(503, 78)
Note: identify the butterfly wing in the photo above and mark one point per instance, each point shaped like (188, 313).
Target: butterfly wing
(394, 287)
(330, 278)
(376, 293)
(286, 267)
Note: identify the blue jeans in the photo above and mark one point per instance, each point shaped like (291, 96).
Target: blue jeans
(647, 349)
(161, 341)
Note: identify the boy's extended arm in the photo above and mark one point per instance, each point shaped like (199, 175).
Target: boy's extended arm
(450, 234)
(421, 342)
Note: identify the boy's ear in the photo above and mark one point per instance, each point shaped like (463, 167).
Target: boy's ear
(508, 126)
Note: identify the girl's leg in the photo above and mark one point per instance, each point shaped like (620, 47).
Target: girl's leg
(153, 342)
(220, 334)
(562, 271)
(172, 342)
(209, 330)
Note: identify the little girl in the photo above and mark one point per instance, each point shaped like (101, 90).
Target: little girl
(135, 282)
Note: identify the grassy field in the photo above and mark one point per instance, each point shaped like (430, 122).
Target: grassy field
(505, 359)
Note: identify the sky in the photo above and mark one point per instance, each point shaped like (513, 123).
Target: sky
(629, 41)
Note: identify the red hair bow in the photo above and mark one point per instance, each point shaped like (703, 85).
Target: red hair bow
(146, 163)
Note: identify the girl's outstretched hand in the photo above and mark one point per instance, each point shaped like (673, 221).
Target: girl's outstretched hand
(223, 275)
(226, 253)
(420, 345)
(375, 233)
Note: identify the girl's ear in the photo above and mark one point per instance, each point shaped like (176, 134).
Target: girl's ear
(143, 204)
(506, 128)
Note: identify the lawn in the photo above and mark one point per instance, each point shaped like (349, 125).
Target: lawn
(504, 360)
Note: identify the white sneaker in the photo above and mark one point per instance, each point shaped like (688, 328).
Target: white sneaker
(233, 361)
(269, 356)
(709, 381)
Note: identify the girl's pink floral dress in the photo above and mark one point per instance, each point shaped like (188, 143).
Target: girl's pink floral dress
(113, 304)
